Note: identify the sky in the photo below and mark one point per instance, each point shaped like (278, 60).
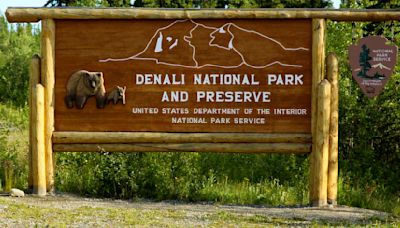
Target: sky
(39, 3)
(25, 3)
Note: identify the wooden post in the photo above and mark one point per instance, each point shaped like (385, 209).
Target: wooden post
(318, 70)
(38, 139)
(34, 78)
(332, 74)
(47, 74)
(8, 175)
(321, 145)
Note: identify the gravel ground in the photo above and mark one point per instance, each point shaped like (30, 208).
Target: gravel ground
(74, 211)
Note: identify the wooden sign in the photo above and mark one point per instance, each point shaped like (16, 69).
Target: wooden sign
(183, 75)
(372, 61)
(185, 80)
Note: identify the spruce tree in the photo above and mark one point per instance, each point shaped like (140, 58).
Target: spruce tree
(364, 61)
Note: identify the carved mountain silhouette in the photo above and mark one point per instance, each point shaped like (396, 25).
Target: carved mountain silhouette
(185, 43)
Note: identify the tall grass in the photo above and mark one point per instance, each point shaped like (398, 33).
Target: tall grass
(266, 192)
(372, 196)
(271, 180)
(13, 145)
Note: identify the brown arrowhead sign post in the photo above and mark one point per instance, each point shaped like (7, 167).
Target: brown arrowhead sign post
(372, 62)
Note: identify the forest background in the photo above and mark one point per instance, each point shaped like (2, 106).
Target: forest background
(369, 131)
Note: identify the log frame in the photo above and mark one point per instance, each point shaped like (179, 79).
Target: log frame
(292, 148)
(181, 142)
(48, 80)
(21, 14)
(321, 142)
(321, 145)
(34, 79)
(318, 72)
(161, 137)
(332, 76)
(38, 139)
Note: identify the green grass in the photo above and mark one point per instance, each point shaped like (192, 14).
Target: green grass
(13, 117)
(40, 212)
(270, 193)
(93, 216)
(86, 215)
(213, 187)
(376, 197)
(14, 143)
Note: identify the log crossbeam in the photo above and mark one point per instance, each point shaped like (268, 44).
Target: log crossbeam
(37, 14)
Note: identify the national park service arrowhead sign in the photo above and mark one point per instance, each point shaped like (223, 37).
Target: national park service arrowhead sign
(372, 62)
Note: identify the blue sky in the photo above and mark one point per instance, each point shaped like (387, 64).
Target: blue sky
(27, 3)
(38, 3)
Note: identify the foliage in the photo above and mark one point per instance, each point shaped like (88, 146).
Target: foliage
(372, 196)
(368, 128)
(172, 175)
(17, 46)
(90, 3)
(195, 3)
(13, 144)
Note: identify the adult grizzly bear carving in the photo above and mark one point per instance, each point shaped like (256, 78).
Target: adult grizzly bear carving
(83, 84)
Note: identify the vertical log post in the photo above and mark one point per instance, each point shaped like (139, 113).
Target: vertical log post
(318, 71)
(8, 175)
(34, 78)
(38, 140)
(332, 75)
(47, 74)
(322, 144)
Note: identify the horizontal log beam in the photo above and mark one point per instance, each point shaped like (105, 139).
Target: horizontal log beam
(37, 14)
(292, 148)
(157, 137)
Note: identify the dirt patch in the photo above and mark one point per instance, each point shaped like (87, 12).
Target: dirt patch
(78, 211)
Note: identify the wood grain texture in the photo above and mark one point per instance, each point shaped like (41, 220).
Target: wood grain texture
(38, 141)
(286, 148)
(81, 44)
(318, 62)
(322, 145)
(34, 79)
(36, 14)
(155, 137)
(48, 81)
(332, 75)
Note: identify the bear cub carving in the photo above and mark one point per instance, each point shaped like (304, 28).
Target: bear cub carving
(83, 84)
(116, 95)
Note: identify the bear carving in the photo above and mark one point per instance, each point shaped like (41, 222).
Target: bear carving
(116, 95)
(83, 84)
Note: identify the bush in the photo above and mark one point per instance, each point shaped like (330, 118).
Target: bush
(17, 46)
(13, 145)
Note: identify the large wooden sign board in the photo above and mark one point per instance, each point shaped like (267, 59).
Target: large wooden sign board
(150, 80)
(189, 75)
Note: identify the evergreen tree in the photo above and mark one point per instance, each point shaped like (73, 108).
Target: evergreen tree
(364, 61)
(90, 3)
(18, 43)
(195, 3)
